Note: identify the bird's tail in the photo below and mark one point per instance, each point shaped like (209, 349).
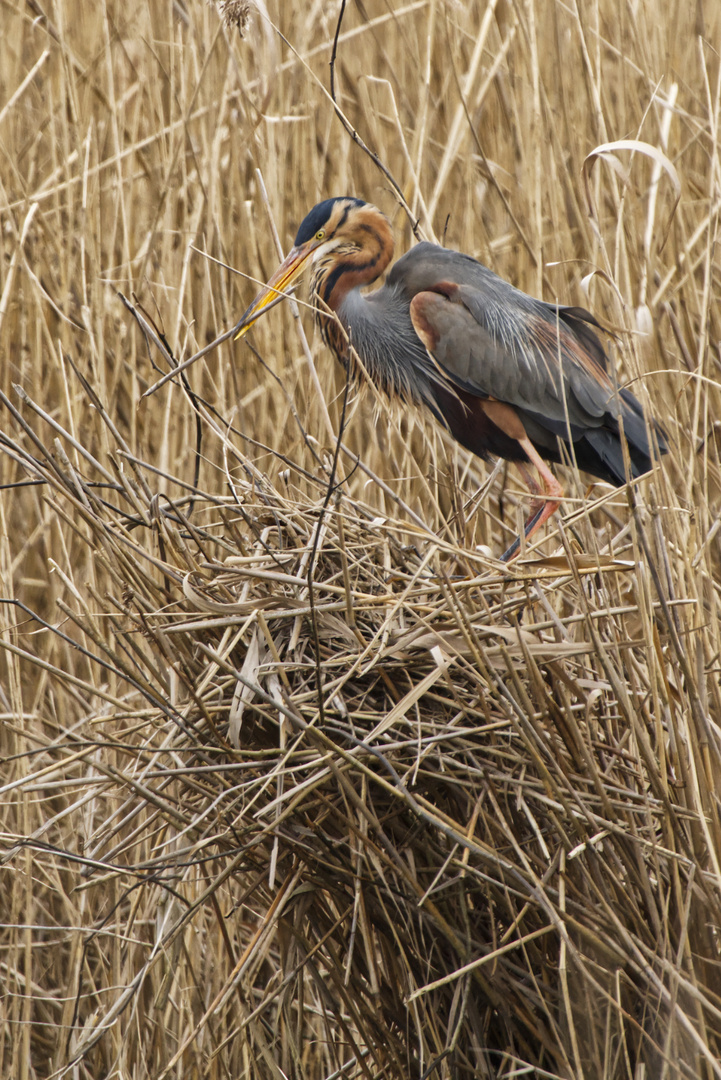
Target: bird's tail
(606, 443)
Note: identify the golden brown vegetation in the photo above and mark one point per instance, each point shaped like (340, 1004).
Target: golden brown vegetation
(297, 780)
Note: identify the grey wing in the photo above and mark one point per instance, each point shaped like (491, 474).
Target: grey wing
(494, 341)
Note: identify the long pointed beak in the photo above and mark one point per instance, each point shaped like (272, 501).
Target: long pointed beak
(289, 271)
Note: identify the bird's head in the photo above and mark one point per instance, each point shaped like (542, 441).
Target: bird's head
(334, 238)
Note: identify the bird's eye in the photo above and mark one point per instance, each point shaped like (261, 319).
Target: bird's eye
(320, 234)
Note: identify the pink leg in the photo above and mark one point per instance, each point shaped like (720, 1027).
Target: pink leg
(535, 489)
(552, 490)
(547, 500)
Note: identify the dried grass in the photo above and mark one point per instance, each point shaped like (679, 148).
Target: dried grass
(298, 779)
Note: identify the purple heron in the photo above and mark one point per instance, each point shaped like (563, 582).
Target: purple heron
(506, 374)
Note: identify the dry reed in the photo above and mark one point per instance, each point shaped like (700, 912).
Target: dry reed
(298, 780)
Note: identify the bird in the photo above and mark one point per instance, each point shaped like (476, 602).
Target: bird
(506, 374)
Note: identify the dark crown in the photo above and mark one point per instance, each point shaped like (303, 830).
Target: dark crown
(319, 216)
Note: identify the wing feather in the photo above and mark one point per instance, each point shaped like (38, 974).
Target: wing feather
(495, 341)
(492, 341)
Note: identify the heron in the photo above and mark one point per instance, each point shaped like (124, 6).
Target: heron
(506, 374)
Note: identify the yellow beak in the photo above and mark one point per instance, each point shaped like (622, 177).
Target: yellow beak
(289, 271)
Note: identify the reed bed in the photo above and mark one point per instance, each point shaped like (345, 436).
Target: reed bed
(298, 779)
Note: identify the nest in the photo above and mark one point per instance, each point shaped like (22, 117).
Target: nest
(396, 806)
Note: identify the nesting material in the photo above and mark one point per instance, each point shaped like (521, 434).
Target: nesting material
(439, 809)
